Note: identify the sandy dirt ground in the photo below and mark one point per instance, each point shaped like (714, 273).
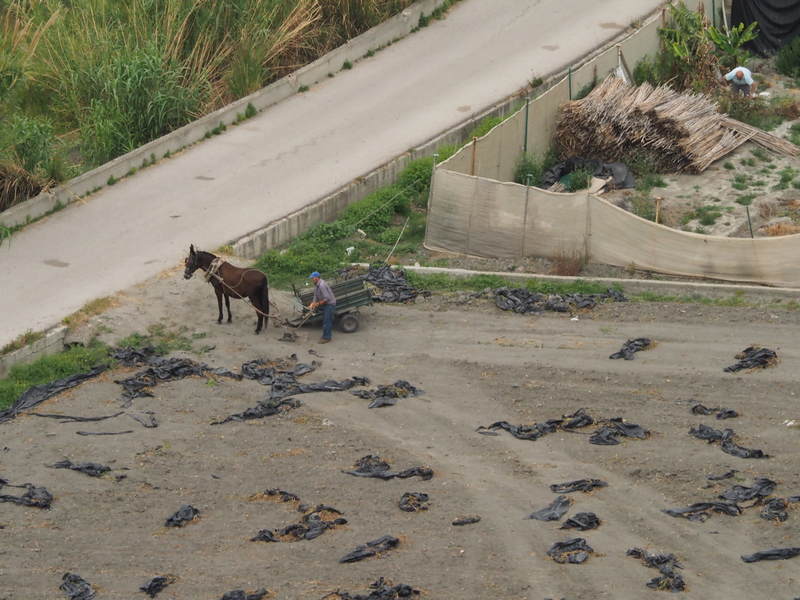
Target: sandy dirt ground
(477, 365)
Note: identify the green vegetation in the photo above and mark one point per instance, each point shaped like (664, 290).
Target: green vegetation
(527, 164)
(706, 215)
(86, 81)
(748, 162)
(586, 90)
(740, 181)
(745, 199)
(760, 153)
(787, 61)
(485, 126)
(644, 206)
(729, 165)
(50, 368)
(794, 133)
(787, 176)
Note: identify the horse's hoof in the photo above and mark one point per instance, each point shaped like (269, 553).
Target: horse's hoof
(219, 322)
(258, 331)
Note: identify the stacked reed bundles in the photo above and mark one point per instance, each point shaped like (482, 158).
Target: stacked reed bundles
(679, 132)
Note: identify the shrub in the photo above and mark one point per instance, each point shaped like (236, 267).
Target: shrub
(374, 213)
(644, 206)
(787, 60)
(485, 126)
(745, 199)
(528, 165)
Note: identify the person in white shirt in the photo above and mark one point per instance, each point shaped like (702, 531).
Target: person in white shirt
(741, 80)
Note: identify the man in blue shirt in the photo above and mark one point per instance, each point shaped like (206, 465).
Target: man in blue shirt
(323, 297)
(741, 80)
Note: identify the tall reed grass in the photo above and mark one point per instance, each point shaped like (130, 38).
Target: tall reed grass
(109, 76)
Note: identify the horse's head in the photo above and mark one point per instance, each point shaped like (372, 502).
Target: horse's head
(191, 263)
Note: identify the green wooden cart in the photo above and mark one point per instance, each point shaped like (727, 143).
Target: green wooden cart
(351, 294)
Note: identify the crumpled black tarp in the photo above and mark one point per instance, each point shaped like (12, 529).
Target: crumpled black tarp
(156, 585)
(242, 595)
(392, 284)
(577, 420)
(727, 475)
(265, 408)
(283, 496)
(381, 590)
(557, 509)
(761, 488)
(466, 520)
(90, 468)
(314, 523)
(754, 357)
(574, 551)
(778, 23)
(413, 502)
(582, 521)
(185, 514)
(722, 413)
(612, 429)
(774, 554)
(150, 422)
(666, 565)
(373, 466)
(37, 394)
(379, 546)
(387, 395)
(631, 346)
(579, 485)
(37, 497)
(621, 177)
(522, 301)
(700, 511)
(75, 587)
(727, 443)
(776, 510)
(267, 373)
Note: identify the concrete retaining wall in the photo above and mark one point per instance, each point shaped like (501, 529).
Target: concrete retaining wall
(51, 343)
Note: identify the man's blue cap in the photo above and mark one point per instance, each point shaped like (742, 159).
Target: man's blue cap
(315, 274)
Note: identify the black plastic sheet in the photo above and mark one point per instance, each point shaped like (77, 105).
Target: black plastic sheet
(388, 395)
(666, 564)
(150, 421)
(774, 554)
(727, 441)
(576, 420)
(722, 413)
(413, 502)
(776, 510)
(557, 509)
(314, 523)
(71, 419)
(754, 357)
(762, 488)
(610, 431)
(75, 587)
(37, 394)
(582, 521)
(700, 511)
(376, 547)
(156, 585)
(373, 466)
(523, 301)
(265, 408)
(381, 590)
(631, 346)
(185, 514)
(579, 485)
(778, 23)
(574, 551)
(621, 176)
(392, 284)
(242, 595)
(727, 475)
(91, 469)
(37, 497)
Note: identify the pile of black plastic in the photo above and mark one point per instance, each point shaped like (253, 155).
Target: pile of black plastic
(392, 284)
(523, 301)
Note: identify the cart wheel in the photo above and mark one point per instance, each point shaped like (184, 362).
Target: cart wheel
(349, 323)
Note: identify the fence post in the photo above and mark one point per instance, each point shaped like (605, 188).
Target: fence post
(474, 153)
(714, 13)
(525, 216)
(569, 78)
(747, 209)
(430, 191)
(527, 109)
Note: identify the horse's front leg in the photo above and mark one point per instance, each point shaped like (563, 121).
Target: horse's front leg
(218, 291)
(228, 306)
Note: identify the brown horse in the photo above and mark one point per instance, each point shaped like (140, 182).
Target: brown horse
(229, 280)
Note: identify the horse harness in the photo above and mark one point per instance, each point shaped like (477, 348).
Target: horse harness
(212, 272)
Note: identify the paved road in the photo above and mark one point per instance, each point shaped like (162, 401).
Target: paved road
(295, 152)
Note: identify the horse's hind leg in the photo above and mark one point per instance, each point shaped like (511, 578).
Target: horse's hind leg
(219, 303)
(228, 306)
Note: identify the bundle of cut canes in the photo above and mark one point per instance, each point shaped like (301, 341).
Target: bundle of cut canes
(680, 132)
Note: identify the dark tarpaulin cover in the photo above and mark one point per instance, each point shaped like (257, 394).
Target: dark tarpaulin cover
(621, 177)
(39, 393)
(778, 22)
